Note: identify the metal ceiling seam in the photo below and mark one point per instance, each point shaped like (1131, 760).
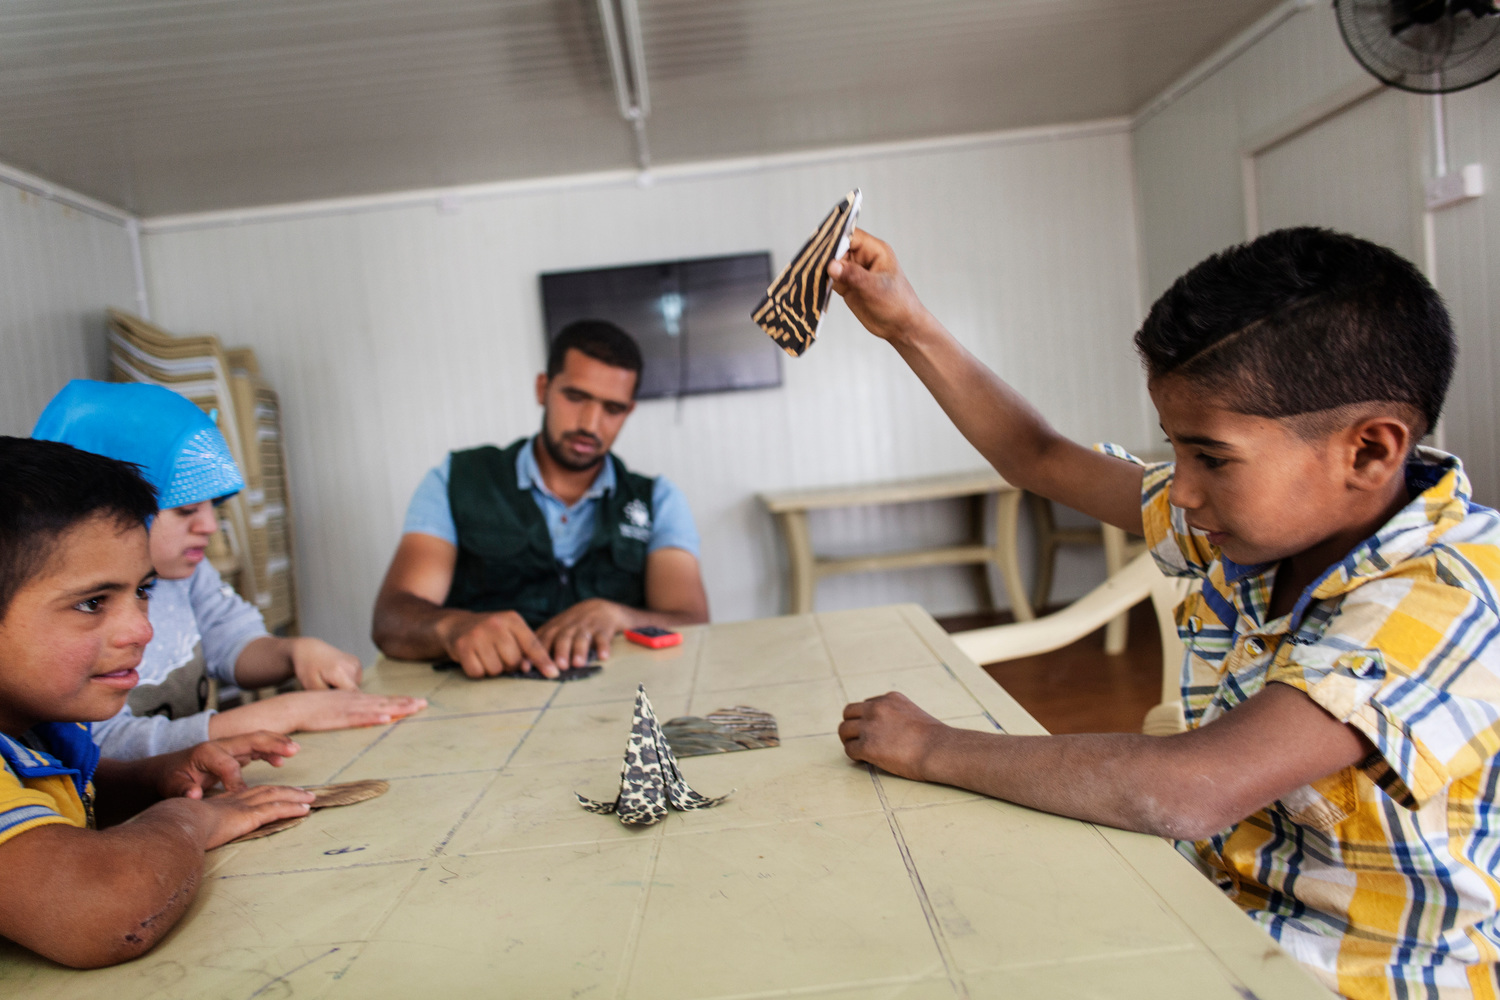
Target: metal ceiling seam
(42, 188)
(623, 177)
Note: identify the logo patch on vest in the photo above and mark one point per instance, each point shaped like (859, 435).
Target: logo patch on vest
(637, 523)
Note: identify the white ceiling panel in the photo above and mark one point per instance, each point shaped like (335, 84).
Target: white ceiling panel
(168, 106)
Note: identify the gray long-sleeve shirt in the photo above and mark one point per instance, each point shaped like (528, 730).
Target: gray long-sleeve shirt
(201, 627)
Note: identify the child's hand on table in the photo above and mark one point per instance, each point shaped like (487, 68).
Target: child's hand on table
(314, 711)
(320, 666)
(892, 733)
(191, 772)
(234, 814)
(239, 809)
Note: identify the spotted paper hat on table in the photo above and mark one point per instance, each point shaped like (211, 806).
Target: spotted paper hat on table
(795, 303)
(649, 779)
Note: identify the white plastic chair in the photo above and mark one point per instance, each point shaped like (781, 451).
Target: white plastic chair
(1138, 580)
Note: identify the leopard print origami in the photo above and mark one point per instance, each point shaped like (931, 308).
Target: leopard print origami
(649, 779)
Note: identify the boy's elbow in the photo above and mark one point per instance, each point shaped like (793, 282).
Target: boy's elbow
(1181, 811)
(100, 952)
(120, 911)
(1186, 823)
(106, 937)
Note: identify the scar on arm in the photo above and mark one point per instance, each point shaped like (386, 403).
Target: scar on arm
(174, 903)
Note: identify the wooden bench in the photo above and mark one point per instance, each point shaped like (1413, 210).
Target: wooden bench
(790, 508)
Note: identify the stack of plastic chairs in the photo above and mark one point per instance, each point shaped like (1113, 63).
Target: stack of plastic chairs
(255, 552)
(258, 413)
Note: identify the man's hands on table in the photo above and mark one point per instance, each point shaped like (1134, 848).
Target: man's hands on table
(588, 627)
(411, 621)
(487, 644)
(490, 643)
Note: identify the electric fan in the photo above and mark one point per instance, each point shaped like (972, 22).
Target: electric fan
(1424, 46)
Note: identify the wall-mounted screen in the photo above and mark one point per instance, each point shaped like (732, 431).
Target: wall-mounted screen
(691, 318)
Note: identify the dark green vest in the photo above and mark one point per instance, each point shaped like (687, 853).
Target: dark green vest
(505, 560)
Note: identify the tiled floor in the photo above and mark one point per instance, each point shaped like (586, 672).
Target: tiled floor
(478, 873)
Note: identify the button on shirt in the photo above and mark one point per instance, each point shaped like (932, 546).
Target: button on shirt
(1382, 877)
(572, 527)
(52, 785)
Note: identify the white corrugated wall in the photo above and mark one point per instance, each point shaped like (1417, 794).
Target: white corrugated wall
(59, 268)
(1188, 163)
(1466, 239)
(394, 334)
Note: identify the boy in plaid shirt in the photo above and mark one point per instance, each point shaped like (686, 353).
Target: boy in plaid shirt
(1342, 683)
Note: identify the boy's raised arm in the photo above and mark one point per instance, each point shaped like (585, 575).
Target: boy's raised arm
(1006, 430)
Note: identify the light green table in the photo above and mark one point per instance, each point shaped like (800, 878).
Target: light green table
(479, 875)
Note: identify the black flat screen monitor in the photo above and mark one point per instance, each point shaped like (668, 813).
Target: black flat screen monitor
(691, 318)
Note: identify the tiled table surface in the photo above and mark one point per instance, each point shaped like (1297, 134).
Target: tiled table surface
(478, 873)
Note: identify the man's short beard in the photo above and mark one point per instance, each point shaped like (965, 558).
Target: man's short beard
(556, 452)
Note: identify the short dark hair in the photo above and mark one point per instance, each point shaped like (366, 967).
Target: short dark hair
(46, 488)
(600, 340)
(1304, 320)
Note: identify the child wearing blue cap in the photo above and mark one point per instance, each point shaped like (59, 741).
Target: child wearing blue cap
(202, 627)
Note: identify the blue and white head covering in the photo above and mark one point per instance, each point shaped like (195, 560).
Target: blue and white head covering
(179, 450)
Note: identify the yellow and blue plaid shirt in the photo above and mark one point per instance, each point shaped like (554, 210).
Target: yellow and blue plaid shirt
(39, 787)
(1382, 878)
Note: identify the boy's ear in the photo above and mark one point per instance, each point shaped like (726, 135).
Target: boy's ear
(1377, 448)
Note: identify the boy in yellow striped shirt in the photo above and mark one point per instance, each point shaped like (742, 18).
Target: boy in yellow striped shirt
(1342, 681)
(81, 886)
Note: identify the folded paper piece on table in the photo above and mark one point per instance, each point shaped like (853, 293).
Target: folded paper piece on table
(275, 826)
(724, 730)
(570, 674)
(324, 797)
(348, 793)
(649, 779)
(795, 303)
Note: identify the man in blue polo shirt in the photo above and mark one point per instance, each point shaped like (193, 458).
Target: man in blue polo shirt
(536, 555)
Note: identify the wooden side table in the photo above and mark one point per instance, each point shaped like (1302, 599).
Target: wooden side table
(790, 508)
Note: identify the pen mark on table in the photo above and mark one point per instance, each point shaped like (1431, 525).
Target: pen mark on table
(292, 972)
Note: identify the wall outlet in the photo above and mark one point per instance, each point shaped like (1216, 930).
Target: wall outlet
(1450, 189)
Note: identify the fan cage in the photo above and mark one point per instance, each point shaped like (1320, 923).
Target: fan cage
(1455, 52)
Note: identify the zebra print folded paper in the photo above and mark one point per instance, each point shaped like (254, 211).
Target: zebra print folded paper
(795, 303)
